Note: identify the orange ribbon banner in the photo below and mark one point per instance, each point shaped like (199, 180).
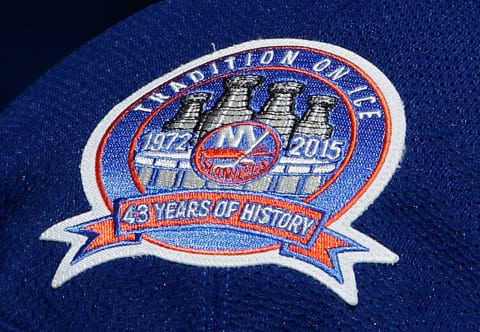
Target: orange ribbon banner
(297, 227)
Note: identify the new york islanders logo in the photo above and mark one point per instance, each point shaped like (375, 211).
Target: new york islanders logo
(236, 163)
(262, 153)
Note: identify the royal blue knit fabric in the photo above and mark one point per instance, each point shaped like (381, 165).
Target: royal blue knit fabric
(428, 214)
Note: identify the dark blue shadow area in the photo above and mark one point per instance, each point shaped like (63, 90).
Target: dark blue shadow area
(37, 34)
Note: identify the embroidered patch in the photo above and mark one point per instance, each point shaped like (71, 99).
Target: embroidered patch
(262, 153)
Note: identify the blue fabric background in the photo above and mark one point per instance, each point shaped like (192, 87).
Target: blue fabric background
(428, 214)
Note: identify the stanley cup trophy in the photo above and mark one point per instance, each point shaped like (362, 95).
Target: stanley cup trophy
(189, 113)
(278, 110)
(315, 121)
(233, 105)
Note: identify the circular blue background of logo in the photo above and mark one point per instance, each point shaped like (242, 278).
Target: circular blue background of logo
(118, 182)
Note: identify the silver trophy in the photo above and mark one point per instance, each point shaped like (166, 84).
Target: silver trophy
(189, 113)
(278, 110)
(233, 105)
(315, 121)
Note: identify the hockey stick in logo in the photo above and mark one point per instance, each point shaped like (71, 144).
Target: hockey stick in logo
(244, 154)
